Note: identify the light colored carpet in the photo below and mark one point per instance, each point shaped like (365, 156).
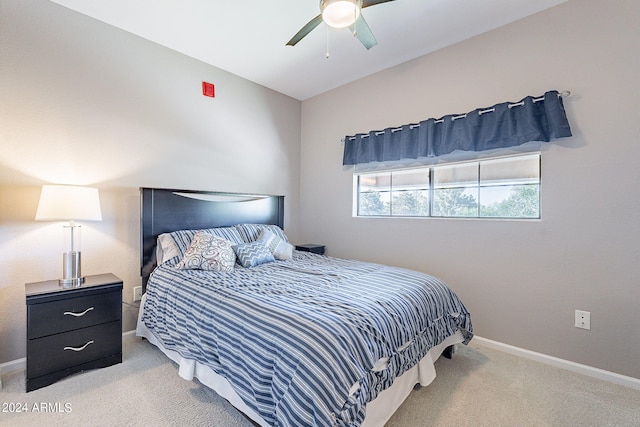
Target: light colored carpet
(479, 387)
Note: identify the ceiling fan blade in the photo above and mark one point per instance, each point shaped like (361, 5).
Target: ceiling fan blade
(367, 3)
(305, 30)
(363, 32)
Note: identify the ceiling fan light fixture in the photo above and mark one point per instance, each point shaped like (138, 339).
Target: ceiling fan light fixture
(340, 13)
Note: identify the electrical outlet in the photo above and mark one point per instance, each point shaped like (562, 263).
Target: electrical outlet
(137, 293)
(583, 319)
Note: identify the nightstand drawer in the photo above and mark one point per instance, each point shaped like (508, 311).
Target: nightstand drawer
(73, 313)
(61, 351)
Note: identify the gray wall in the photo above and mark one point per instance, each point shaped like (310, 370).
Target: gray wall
(84, 103)
(521, 280)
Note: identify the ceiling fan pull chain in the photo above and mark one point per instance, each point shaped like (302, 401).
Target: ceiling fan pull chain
(327, 41)
(355, 18)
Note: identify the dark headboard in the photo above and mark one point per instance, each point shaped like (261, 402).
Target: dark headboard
(164, 210)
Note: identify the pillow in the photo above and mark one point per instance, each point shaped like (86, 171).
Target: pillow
(227, 233)
(166, 248)
(252, 254)
(278, 247)
(250, 232)
(208, 252)
(183, 238)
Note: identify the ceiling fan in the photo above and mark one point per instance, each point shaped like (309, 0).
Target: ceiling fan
(342, 14)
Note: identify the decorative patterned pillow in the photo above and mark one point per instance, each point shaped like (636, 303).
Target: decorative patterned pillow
(252, 254)
(208, 252)
(250, 232)
(183, 238)
(278, 247)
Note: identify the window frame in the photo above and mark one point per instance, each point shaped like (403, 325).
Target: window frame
(478, 186)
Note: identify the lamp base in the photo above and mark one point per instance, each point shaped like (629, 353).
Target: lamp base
(71, 277)
(71, 283)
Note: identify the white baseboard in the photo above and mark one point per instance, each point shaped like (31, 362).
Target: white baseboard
(589, 371)
(129, 335)
(13, 365)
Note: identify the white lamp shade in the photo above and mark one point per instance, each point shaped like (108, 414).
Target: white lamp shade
(340, 13)
(69, 203)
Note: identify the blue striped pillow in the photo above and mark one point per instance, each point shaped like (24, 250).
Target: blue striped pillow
(250, 232)
(228, 233)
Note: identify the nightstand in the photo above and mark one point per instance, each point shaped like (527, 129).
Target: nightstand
(311, 247)
(71, 330)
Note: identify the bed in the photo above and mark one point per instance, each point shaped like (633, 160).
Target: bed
(289, 338)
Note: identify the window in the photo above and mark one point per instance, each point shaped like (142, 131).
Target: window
(506, 187)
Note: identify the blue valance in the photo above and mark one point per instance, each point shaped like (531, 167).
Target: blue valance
(501, 126)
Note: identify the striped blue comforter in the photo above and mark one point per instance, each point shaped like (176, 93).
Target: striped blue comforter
(293, 337)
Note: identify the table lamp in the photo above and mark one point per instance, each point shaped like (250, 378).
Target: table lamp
(69, 203)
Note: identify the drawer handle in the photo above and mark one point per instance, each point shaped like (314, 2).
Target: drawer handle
(71, 313)
(79, 348)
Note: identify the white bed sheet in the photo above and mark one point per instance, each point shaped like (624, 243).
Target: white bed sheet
(379, 411)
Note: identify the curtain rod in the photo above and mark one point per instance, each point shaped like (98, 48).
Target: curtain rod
(563, 94)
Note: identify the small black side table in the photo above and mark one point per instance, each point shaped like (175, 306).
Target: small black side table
(311, 247)
(71, 330)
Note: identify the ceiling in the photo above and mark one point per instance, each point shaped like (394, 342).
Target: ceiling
(248, 37)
